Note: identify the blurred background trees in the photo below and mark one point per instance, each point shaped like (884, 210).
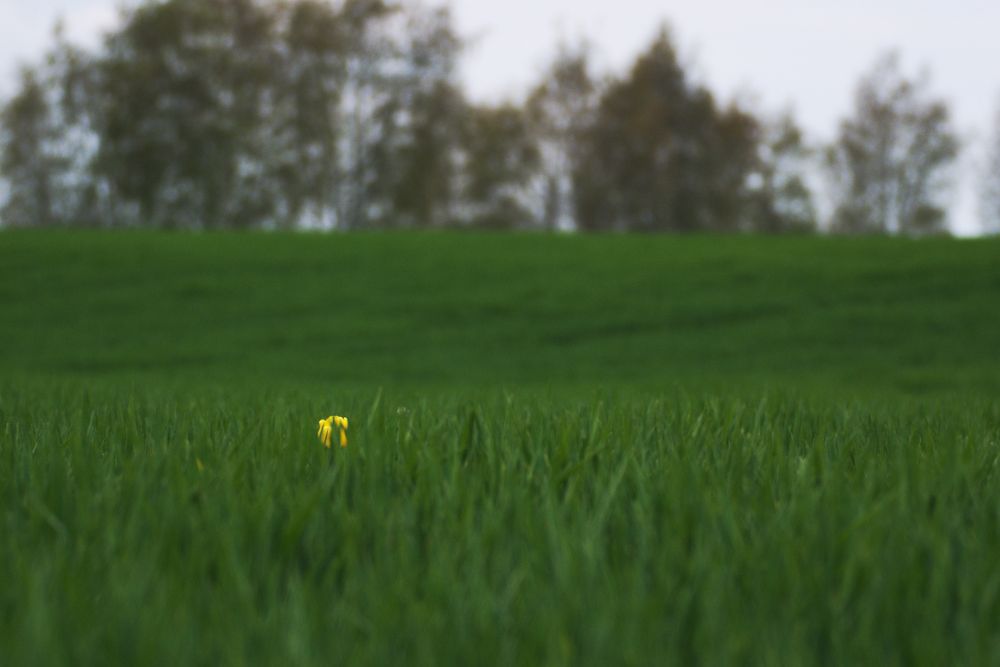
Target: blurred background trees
(660, 155)
(180, 105)
(31, 161)
(892, 156)
(46, 145)
(560, 109)
(233, 114)
(780, 199)
(990, 184)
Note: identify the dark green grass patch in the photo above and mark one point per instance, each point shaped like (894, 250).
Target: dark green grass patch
(913, 317)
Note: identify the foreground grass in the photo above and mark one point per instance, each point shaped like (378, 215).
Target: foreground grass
(563, 450)
(496, 530)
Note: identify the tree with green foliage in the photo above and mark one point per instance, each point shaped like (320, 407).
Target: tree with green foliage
(661, 155)
(890, 162)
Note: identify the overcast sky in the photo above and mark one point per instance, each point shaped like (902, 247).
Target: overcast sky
(803, 54)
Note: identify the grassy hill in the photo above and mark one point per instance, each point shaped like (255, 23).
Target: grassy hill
(563, 450)
(500, 310)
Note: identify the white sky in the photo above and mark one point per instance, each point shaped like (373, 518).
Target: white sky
(805, 54)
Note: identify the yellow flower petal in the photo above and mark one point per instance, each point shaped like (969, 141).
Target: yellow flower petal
(325, 432)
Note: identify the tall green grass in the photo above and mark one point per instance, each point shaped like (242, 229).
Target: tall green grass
(562, 450)
(503, 530)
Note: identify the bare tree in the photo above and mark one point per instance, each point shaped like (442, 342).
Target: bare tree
(989, 204)
(780, 200)
(29, 164)
(558, 111)
(500, 159)
(890, 163)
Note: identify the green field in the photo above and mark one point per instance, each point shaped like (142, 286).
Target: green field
(583, 450)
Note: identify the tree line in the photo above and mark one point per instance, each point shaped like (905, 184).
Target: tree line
(350, 115)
